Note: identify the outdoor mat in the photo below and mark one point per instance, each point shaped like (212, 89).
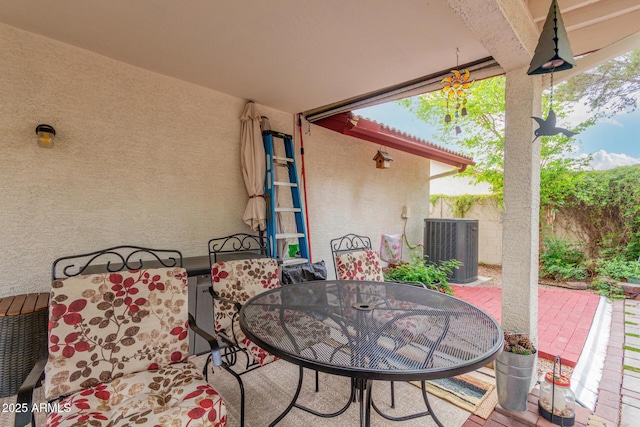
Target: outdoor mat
(474, 391)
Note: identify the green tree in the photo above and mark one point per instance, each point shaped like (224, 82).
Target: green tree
(607, 89)
(605, 203)
(482, 137)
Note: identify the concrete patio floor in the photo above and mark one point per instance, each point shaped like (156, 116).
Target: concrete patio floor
(618, 399)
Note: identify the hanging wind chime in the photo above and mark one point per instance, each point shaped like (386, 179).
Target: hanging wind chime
(553, 53)
(455, 91)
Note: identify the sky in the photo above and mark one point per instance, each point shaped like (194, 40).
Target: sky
(612, 142)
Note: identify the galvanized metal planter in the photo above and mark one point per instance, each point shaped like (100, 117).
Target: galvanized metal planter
(514, 373)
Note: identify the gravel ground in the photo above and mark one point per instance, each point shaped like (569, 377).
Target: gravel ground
(545, 365)
(493, 271)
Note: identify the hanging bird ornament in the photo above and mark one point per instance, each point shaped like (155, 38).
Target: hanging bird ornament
(553, 53)
(548, 127)
(455, 89)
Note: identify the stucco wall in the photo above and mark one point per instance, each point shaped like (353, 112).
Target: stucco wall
(489, 216)
(454, 185)
(145, 159)
(347, 194)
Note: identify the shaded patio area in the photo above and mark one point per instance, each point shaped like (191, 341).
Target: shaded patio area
(617, 401)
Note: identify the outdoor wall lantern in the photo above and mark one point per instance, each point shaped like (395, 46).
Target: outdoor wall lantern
(46, 134)
(383, 160)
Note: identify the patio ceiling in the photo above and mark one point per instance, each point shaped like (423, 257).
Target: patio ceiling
(296, 55)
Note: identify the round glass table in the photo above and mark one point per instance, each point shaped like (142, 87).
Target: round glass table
(371, 331)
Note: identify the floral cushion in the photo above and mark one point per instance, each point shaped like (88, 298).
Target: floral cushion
(103, 326)
(359, 265)
(239, 281)
(175, 395)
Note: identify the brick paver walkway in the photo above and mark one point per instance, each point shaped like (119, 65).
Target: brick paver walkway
(564, 317)
(630, 391)
(618, 402)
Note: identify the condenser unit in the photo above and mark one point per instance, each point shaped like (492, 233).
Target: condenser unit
(453, 238)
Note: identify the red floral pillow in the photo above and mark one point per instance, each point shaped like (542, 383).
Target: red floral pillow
(359, 265)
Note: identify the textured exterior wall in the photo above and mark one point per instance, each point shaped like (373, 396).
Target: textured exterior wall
(489, 216)
(149, 160)
(454, 185)
(521, 205)
(139, 158)
(347, 194)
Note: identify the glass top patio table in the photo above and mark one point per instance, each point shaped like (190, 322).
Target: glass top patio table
(372, 330)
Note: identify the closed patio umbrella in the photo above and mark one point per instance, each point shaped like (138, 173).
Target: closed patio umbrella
(252, 159)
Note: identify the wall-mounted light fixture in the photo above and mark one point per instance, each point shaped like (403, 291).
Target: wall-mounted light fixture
(46, 134)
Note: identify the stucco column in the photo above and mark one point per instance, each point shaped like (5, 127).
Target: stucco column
(521, 204)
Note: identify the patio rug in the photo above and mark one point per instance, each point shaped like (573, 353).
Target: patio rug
(474, 391)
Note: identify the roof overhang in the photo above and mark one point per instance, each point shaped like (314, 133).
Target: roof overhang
(316, 56)
(368, 130)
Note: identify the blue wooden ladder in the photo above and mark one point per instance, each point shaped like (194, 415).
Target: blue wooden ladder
(274, 208)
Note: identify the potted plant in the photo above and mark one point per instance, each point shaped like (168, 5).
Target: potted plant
(419, 271)
(514, 371)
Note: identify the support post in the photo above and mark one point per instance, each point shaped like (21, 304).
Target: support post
(521, 204)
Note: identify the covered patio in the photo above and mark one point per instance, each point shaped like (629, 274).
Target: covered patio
(146, 97)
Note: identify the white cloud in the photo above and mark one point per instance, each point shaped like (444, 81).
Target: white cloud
(579, 114)
(603, 160)
(611, 121)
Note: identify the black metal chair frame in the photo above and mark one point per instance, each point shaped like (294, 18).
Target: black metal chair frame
(234, 247)
(354, 243)
(348, 243)
(114, 259)
(110, 260)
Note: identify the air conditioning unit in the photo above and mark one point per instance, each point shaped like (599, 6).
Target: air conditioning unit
(453, 238)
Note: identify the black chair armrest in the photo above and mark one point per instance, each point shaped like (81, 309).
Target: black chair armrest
(226, 340)
(216, 357)
(25, 394)
(215, 295)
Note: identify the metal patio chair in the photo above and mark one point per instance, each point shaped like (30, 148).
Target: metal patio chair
(118, 344)
(240, 269)
(354, 259)
(231, 258)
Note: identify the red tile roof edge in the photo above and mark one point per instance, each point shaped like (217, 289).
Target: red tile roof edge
(381, 134)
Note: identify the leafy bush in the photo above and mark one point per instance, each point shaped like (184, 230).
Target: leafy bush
(563, 260)
(608, 287)
(618, 268)
(605, 205)
(418, 270)
(559, 273)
